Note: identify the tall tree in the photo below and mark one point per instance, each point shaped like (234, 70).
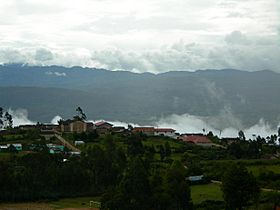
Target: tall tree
(239, 187)
(167, 149)
(6, 119)
(178, 187)
(81, 113)
(241, 135)
(135, 186)
(9, 120)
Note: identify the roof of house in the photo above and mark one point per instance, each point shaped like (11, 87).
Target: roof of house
(196, 139)
(102, 123)
(164, 130)
(75, 119)
(195, 178)
(144, 129)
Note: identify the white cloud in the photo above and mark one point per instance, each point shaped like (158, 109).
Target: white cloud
(55, 120)
(58, 74)
(20, 117)
(194, 124)
(152, 35)
(185, 123)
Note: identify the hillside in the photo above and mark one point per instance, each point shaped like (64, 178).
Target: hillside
(141, 98)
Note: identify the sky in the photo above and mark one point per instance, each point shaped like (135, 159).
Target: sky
(142, 36)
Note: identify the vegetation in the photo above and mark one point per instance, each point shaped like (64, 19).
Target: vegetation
(239, 187)
(6, 120)
(128, 171)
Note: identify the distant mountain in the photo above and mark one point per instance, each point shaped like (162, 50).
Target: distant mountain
(141, 98)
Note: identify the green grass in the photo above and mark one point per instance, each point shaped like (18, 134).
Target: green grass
(200, 193)
(80, 202)
(256, 170)
(157, 141)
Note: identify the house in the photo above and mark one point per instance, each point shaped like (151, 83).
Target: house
(74, 153)
(195, 178)
(6, 147)
(3, 147)
(79, 143)
(229, 140)
(103, 127)
(18, 147)
(118, 129)
(55, 148)
(169, 132)
(149, 131)
(75, 125)
(197, 139)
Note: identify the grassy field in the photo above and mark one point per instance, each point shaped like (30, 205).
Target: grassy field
(25, 206)
(200, 193)
(82, 202)
(256, 170)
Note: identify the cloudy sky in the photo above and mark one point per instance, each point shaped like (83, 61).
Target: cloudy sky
(146, 35)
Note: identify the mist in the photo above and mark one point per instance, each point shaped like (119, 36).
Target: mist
(194, 124)
(185, 123)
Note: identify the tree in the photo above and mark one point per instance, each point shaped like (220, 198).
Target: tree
(134, 191)
(1, 118)
(161, 152)
(6, 119)
(241, 135)
(81, 113)
(239, 187)
(177, 186)
(135, 146)
(167, 149)
(9, 120)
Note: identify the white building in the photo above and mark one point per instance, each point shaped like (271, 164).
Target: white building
(169, 132)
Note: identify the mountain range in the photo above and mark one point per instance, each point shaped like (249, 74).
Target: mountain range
(140, 98)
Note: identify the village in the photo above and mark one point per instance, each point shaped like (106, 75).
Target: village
(79, 125)
(77, 147)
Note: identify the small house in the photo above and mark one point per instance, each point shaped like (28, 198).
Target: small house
(77, 143)
(18, 147)
(76, 125)
(197, 139)
(103, 127)
(149, 131)
(169, 132)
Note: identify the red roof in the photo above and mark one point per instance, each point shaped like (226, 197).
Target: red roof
(196, 139)
(164, 130)
(103, 123)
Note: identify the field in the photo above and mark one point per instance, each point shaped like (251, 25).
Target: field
(82, 202)
(200, 193)
(256, 170)
(63, 204)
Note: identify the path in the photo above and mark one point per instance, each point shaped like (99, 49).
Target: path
(67, 144)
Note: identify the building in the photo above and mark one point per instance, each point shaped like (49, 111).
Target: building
(55, 148)
(118, 129)
(76, 125)
(197, 139)
(77, 143)
(195, 178)
(169, 132)
(149, 131)
(230, 140)
(3, 148)
(6, 147)
(27, 127)
(103, 127)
